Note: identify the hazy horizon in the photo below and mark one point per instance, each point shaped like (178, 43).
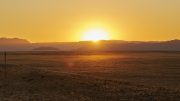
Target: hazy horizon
(18, 38)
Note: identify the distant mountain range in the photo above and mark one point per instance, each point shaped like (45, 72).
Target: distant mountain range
(16, 44)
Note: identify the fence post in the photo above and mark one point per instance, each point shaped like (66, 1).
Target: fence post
(5, 63)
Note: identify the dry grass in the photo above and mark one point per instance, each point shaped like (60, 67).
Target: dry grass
(105, 77)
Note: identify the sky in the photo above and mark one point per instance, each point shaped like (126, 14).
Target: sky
(68, 20)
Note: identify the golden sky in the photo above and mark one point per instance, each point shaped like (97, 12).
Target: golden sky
(67, 20)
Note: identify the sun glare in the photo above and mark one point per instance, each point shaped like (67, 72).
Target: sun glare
(95, 35)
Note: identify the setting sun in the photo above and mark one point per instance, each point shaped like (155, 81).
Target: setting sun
(84, 50)
(95, 35)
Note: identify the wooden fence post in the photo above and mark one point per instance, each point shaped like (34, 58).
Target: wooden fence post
(5, 63)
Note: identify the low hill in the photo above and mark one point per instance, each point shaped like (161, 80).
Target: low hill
(13, 41)
(172, 45)
(46, 49)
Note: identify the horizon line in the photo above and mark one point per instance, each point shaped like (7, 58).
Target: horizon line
(88, 40)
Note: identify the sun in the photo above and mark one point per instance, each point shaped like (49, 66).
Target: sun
(95, 35)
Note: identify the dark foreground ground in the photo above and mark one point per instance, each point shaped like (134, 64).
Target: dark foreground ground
(65, 76)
